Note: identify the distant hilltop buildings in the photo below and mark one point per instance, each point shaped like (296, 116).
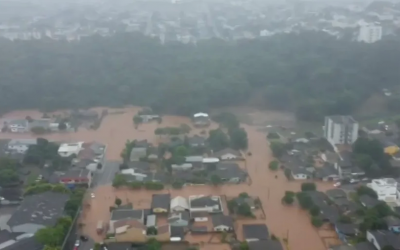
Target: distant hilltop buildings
(188, 21)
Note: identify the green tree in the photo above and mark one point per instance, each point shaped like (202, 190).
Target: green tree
(218, 140)
(274, 165)
(185, 129)
(314, 210)
(215, 180)
(119, 180)
(244, 195)
(238, 138)
(135, 185)
(316, 221)
(153, 244)
(244, 245)
(177, 184)
(364, 190)
(288, 200)
(244, 209)
(305, 200)
(277, 148)
(118, 202)
(228, 120)
(308, 186)
(151, 231)
(137, 120)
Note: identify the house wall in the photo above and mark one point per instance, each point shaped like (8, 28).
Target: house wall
(27, 228)
(222, 228)
(386, 191)
(228, 157)
(200, 219)
(132, 235)
(179, 223)
(161, 237)
(203, 209)
(340, 133)
(372, 239)
(177, 209)
(299, 176)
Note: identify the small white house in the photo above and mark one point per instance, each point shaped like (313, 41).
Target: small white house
(179, 203)
(184, 166)
(301, 174)
(228, 154)
(68, 149)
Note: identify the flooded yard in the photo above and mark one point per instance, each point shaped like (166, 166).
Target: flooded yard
(286, 222)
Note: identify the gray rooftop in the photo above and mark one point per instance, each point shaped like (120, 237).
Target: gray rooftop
(121, 214)
(265, 245)
(43, 209)
(222, 220)
(161, 201)
(205, 201)
(342, 119)
(255, 231)
(17, 142)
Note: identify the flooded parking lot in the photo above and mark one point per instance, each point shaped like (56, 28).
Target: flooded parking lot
(286, 222)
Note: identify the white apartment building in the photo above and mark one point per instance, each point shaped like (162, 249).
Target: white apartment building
(68, 149)
(339, 130)
(370, 34)
(386, 189)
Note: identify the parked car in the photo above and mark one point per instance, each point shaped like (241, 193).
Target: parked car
(83, 238)
(337, 184)
(77, 243)
(92, 195)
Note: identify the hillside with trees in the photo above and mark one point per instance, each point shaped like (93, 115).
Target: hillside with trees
(309, 73)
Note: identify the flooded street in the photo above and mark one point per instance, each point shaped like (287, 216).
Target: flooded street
(286, 222)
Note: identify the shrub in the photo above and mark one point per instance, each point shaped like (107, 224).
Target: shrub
(316, 221)
(288, 174)
(273, 165)
(136, 185)
(308, 186)
(273, 135)
(314, 210)
(154, 185)
(288, 199)
(177, 184)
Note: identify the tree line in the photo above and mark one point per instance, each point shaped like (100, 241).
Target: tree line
(309, 73)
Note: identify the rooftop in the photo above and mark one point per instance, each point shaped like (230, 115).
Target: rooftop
(386, 238)
(385, 182)
(204, 201)
(16, 142)
(265, 245)
(161, 201)
(342, 119)
(122, 214)
(222, 220)
(227, 151)
(256, 231)
(43, 209)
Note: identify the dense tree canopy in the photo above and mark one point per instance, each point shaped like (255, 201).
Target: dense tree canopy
(311, 73)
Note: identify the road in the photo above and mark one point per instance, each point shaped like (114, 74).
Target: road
(103, 177)
(106, 175)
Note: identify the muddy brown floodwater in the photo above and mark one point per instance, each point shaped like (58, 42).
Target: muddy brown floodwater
(283, 221)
